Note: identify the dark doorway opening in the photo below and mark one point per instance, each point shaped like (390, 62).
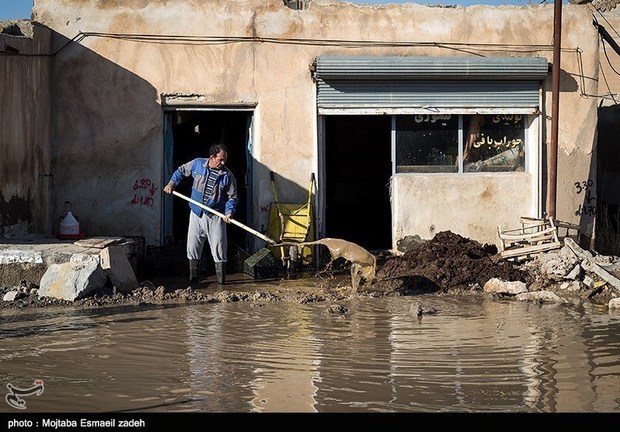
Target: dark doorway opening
(358, 168)
(607, 236)
(191, 134)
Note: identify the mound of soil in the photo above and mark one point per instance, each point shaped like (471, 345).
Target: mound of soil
(447, 263)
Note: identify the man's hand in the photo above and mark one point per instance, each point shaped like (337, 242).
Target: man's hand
(168, 188)
(228, 217)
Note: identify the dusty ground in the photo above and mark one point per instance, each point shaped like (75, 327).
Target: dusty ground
(449, 263)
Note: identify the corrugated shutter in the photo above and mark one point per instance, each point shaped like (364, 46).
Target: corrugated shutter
(423, 82)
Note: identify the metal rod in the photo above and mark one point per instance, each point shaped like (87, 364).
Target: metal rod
(555, 109)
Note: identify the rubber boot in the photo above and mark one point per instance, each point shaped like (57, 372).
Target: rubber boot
(193, 271)
(220, 271)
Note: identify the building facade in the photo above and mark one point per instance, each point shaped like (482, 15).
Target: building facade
(413, 119)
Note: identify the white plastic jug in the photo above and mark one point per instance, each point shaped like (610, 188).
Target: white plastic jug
(69, 225)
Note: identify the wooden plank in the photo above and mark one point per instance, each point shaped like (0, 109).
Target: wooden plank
(533, 222)
(567, 225)
(528, 250)
(537, 236)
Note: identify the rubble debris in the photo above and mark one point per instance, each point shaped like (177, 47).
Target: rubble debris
(541, 297)
(588, 264)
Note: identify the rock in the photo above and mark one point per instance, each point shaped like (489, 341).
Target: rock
(558, 265)
(541, 296)
(418, 309)
(337, 309)
(13, 295)
(498, 286)
(571, 286)
(614, 303)
(72, 280)
(115, 263)
(408, 243)
(574, 273)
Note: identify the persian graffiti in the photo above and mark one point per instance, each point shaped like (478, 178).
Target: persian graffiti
(145, 190)
(588, 207)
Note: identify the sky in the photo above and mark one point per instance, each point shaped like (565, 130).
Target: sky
(15, 9)
(22, 9)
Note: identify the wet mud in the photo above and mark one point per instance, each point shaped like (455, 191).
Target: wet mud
(446, 264)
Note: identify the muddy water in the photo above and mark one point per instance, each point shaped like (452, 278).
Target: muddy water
(472, 355)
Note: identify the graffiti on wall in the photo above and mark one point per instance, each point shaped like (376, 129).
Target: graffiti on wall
(588, 207)
(144, 191)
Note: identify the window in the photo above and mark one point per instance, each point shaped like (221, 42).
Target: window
(427, 143)
(444, 143)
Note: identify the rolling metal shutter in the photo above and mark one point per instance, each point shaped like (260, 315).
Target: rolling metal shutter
(440, 83)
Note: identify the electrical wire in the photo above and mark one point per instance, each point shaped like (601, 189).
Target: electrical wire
(350, 43)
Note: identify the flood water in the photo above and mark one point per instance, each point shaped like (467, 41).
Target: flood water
(474, 355)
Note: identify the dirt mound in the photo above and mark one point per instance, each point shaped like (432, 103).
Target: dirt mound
(447, 263)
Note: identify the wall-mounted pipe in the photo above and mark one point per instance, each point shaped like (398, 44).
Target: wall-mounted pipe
(555, 109)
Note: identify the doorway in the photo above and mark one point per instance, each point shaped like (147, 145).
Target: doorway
(357, 169)
(189, 132)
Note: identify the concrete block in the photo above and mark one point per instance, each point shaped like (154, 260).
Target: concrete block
(118, 268)
(72, 280)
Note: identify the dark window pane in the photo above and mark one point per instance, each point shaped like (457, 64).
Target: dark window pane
(494, 143)
(427, 143)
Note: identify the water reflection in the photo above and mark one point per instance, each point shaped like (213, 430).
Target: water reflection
(473, 355)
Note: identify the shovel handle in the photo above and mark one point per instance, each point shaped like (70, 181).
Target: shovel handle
(233, 221)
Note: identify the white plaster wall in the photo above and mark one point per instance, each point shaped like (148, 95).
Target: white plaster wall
(474, 208)
(107, 117)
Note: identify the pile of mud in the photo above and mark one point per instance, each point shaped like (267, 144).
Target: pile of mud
(446, 263)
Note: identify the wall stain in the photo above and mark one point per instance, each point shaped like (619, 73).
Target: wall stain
(15, 210)
(487, 194)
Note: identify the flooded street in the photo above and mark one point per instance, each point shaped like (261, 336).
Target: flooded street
(473, 355)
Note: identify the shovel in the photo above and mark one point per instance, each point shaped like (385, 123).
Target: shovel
(364, 262)
(233, 221)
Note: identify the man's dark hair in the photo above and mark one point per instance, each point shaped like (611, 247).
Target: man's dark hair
(216, 148)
